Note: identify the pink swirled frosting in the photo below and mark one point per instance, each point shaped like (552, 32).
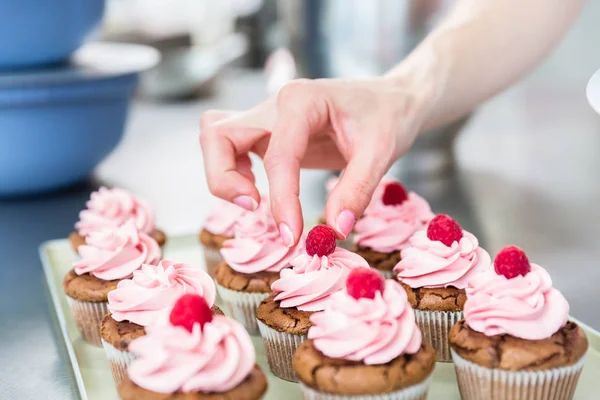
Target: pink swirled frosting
(225, 216)
(171, 359)
(111, 208)
(313, 279)
(527, 306)
(155, 288)
(374, 331)
(430, 263)
(257, 246)
(388, 228)
(115, 253)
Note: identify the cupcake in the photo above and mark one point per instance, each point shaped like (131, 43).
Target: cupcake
(516, 341)
(141, 300)
(388, 223)
(111, 208)
(284, 317)
(220, 227)
(434, 271)
(252, 262)
(195, 355)
(108, 256)
(365, 345)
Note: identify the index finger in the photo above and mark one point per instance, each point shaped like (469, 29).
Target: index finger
(286, 150)
(221, 147)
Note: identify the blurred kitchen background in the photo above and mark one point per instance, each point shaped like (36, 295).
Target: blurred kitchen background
(521, 169)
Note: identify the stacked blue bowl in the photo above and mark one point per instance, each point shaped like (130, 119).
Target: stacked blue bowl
(62, 107)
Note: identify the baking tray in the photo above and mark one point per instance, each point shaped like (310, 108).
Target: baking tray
(94, 379)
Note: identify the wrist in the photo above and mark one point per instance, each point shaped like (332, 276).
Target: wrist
(423, 74)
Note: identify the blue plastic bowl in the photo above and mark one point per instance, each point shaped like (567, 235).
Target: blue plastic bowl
(56, 126)
(34, 32)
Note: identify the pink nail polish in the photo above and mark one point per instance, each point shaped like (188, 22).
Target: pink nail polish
(345, 222)
(286, 235)
(246, 202)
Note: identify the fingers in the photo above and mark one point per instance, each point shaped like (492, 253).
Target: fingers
(352, 194)
(298, 116)
(244, 167)
(227, 165)
(212, 116)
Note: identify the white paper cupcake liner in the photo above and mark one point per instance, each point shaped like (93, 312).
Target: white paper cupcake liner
(476, 382)
(88, 318)
(212, 259)
(242, 306)
(415, 392)
(435, 327)
(280, 348)
(118, 361)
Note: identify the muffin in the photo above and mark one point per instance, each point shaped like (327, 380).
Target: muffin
(252, 262)
(220, 227)
(366, 344)
(516, 341)
(194, 356)
(388, 223)
(283, 317)
(108, 256)
(434, 271)
(111, 208)
(140, 301)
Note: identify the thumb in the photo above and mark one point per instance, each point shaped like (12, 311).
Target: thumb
(351, 196)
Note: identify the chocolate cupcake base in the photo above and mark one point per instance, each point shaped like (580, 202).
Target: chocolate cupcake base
(87, 297)
(282, 330)
(436, 312)
(280, 348)
(242, 293)
(406, 377)
(253, 388)
(504, 367)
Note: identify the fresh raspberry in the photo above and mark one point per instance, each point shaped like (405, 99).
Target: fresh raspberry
(443, 228)
(511, 261)
(364, 283)
(320, 241)
(394, 194)
(189, 310)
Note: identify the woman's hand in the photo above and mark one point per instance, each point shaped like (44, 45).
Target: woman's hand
(365, 125)
(361, 126)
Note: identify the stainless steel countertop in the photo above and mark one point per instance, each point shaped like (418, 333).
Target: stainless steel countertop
(526, 174)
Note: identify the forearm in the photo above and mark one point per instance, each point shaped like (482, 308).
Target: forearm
(481, 48)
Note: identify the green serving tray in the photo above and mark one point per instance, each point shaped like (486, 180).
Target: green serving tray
(94, 380)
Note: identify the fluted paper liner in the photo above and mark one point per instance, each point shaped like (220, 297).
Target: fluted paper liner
(280, 348)
(414, 392)
(88, 318)
(118, 361)
(242, 306)
(435, 327)
(476, 382)
(212, 259)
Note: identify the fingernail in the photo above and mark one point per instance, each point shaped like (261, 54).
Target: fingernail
(246, 202)
(345, 222)
(286, 235)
